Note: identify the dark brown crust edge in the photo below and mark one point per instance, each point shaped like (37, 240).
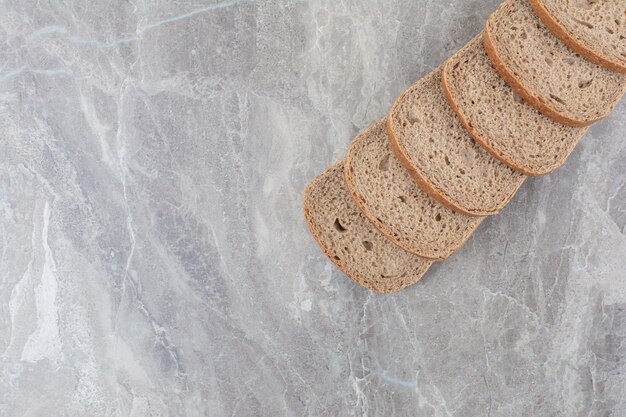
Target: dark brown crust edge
(381, 228)
(525, 93)
(478, 138)
(569, 39)
(351, 274)
(421, 180)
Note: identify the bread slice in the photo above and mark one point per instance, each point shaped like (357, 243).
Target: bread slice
(396, 205)
(442, 157)
(497, 118)
(545, 72)
(596, 29)
(351, 242)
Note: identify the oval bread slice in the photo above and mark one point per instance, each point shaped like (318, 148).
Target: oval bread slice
(596, 29)
(545, 72)
(442, 157)
(351, 242)
(500, 120)
(396, 205)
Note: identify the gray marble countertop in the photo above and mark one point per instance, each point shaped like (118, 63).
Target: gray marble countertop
(155, 260)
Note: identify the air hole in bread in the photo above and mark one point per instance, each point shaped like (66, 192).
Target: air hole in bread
(584, 84)
(338, 226)
(610, 30)
(402, 198)
(583, 23)
(557, 99)
(549, 61)
(447, 160)
(438, 217)
(384, 163)
(368, 245)
(337, 258)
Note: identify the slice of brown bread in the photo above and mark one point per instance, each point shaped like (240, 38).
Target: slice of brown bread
(442, 157)
(351, 242)
(396, 205)
(545, 72)
(596, 29)
(510, 129)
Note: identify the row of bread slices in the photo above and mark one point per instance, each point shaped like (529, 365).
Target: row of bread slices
(458, 144)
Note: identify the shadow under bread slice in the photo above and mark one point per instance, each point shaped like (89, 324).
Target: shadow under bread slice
(596, 29)
(351, 242)
(545, 72)
(500, 120)
(396, 205)
(442, 157)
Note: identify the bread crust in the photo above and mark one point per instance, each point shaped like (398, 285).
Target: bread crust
(421, 180)
(481, 140)
(351, 274)
(569, 39)
(381, 228)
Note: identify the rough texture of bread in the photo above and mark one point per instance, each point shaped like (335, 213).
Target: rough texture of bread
(442, 157)
(596, 29)
(396, 205)
(506, 126)
(351, 242)
(545, 72)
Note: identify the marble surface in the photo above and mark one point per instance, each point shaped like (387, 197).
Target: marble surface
(155, 261)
